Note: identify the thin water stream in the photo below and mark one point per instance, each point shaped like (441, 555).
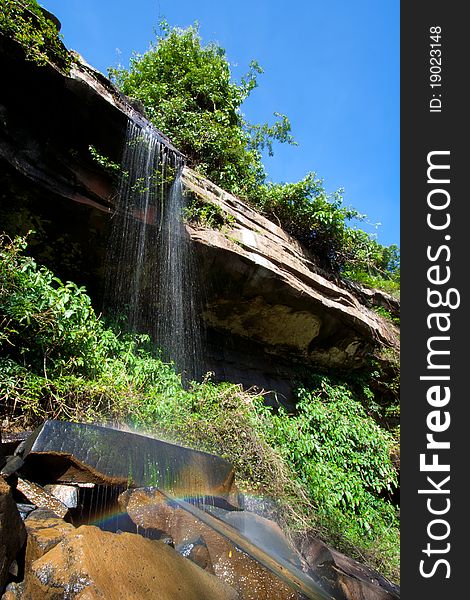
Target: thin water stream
(178, 329)
(151, 274)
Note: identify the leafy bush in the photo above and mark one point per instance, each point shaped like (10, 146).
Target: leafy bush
(206, 214)
(341, 454)
(47, 326)
(328, 465)
(315, 218)
(371, 263)
(26, 22)
(188, 93)
(112, 168)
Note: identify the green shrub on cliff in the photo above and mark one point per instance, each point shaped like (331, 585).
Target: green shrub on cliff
(27, 23)
(317, 219)
(189, 94)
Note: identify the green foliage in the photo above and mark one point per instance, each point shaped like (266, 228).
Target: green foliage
(328, 465)
(344, 459)
(340, 452)
(386, 314)
(206, 214)
(47, 325)
(25, 22)
(188, 93)
(319, 221)
(386, 284)
(106, 163)
(373, 264)
(263, 136)
(315, 218)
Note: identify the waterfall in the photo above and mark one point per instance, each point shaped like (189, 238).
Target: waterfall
(178, 328)
(151, 279)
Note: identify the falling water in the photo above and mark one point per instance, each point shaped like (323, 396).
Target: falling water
(151, 275)
(178, 327)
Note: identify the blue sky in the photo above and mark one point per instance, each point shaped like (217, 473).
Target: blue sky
(332, 66)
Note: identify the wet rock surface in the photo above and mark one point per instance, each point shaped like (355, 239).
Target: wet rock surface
(71, 452)
(97, 564)
(9, 442)
(197, 552)
(38, 496)
(12, 533)
(343, 577)
(262, 532)
(150, 544)
(67, 494)
(232, 561)
(14, 591)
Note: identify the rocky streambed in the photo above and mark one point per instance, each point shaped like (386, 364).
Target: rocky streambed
(77, 522)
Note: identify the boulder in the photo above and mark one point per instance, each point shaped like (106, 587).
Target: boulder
(79, 452)
(197, 552)
(343, 577)
(67, 494)
(149, 508)
(94, 564)
(12, 532)
(45, 530)
(38, 496)
(14, 591)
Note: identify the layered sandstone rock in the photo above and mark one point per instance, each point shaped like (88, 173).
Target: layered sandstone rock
(268, 290)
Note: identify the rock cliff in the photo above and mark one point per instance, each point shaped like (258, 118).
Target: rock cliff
(268, 310)
(265, 288)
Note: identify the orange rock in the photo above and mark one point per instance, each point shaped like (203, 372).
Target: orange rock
(93, 564)
(45, 530)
